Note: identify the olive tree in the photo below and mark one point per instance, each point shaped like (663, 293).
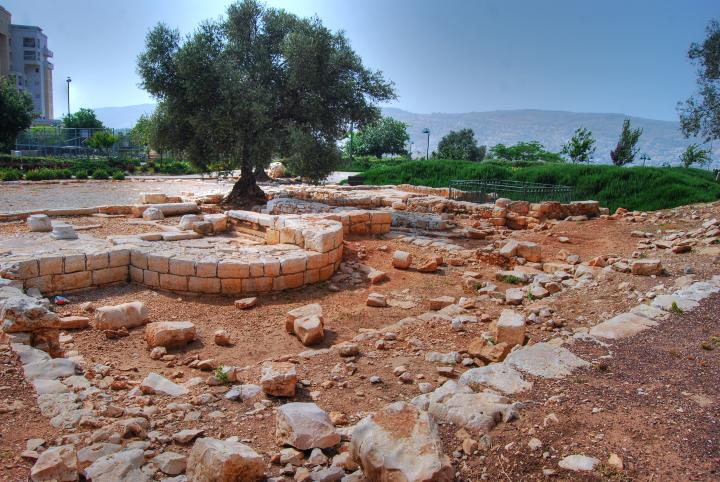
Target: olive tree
(255, 84)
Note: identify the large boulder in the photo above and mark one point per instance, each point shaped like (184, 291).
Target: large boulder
(213, 460)
(22, 313)
(169, 333)
(57, 464)
(646, 267)
(400, 443)
(305, 426)
(127, 315)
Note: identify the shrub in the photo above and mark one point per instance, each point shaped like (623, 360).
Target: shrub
(44, 174)
(100, 174)
(10, 174)
(634, 188)
(81, 174)
(118, 176)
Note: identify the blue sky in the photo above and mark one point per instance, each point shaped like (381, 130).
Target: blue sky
(444, 56)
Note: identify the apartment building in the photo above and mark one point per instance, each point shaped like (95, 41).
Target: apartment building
(24, 57)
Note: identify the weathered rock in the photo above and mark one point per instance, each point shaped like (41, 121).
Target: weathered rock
(203, 227)
(21, 313)
(188, 220)
(121, 466)
(514, 296)
(440, 302)
(278, 379)
(169, 333)
(170, 463)
(545, 360)
(219, 222)
(153, 214)
(222, 338)
(511, 328)
(63, 231)
(213, 460)
(126, 315)
(429, 266)
(158, 384)
(667, 302)
(622, 326)
(39, 223)
(301, 312)
(305, 426)
(56, 464)
(74, 322)
(51, 369)
(497, 376)
(401, 260)
(243, 392)
(309, 330)
(246, 303)
(578, 463)
(376, 300)
(646, 267)
(184, 437)
(400, 443)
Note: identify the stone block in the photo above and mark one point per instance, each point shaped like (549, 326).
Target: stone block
(138, 259)
(206, 268)
(204, 285)
(50, 265)
(401, 259)
(72, 281)
(233, 269)
(169, 333)
(136, 274)
(159, 263)
(151, 278)
(97, 261)
(127, 315)
(278, 379)
(309, 330)
(173, 282)
(73, 263)
(119, 257)
(39, 223)
(182, 266)
(293, 264)
(257, 285)
(110, 275)
(511, 328)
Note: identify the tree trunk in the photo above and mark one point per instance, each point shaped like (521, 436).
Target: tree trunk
(245, 193)
(261, 175)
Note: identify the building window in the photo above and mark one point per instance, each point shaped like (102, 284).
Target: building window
(28, 42)
(29, 55)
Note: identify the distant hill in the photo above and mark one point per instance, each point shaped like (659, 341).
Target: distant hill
(661, 140)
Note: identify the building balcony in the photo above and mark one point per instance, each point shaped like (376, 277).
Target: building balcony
(47, 52)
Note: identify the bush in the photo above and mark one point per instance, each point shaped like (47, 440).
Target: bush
(44, 174)
(100, 174)
(81, 174)
(10, 174)
(635, 188)
(118, 176)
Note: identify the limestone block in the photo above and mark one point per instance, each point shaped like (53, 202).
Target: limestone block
(74, 262)
(138, 259)
(511, 328)
(173, 282)
(305, 426)
(204, 285)
(72, 281)
(158, 262)
(188, 220)
(152, 198)
(213, 460)
(401, 259)
(278, 379)
(206, 268)
(126, 315)
(313, 309)
(151, 278)
(50, 265)
(153, 214)
(39, 223)
(309, 330)
(257, 285)
(181, 266)
(97, 261)
(169, 333)
(109, 275)
(646, 267)
(219, 222)
(63, 231)
(233, 269)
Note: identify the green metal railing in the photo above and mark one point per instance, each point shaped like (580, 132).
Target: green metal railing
(480, 191)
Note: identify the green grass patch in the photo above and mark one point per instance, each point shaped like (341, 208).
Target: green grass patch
(634, 188)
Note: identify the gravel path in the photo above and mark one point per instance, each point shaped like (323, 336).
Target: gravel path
(25, 197)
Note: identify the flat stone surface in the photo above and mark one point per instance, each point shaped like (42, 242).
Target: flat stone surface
(665, 302)
(545, 360)
(497, 376)
(622, 326)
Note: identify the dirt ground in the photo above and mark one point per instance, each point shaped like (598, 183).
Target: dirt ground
(654, 403)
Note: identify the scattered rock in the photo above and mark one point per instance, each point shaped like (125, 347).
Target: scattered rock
(376, 300)
(158, 384)
(401, 260)
(578, 463)
(56, 464)
(305, 426)
(222, 338)
(169, 333)
(278, 379)
(246, 303)
(126, 315)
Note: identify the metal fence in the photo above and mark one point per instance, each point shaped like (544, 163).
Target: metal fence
(62, 142)
(480, 191)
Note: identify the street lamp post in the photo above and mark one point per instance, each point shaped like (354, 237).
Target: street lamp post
(427, 150)
(68, 80)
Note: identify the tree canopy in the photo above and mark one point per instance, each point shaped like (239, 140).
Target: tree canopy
(626, 148)
(386, 136)
(82, 119)
(258, 83)
(524, 151)
(700, 114)
(580, 147)
(16, 113)
(695, 154)
(461, 145)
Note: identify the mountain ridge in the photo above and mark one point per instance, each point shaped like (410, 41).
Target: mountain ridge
(662, 140)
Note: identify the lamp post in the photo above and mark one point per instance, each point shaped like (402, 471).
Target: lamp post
(68, 80)
(427, 150)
